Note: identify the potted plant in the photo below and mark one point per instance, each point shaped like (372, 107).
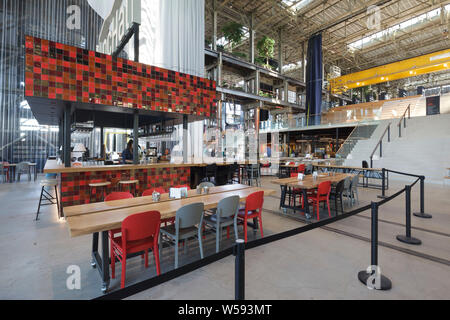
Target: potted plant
(265, 48)
(233, 33)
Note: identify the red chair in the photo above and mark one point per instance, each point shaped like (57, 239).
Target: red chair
(140, 232)
(321, 195)
(149, 192)
(118, 196)
(253, 209)
(111, 197)
(301, 168)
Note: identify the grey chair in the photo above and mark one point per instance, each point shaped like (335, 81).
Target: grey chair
(347, 189)
(203, 185)
(23, 168)
(188, 224)
(354, 189)
(225, 216)
(309, 168)
(253, 173)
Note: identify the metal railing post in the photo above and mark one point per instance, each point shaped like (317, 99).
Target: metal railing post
(399, 130)
(389, 132)
(381, 149)
(239, 273)
(372, 276)
(383, 183)
(422, 213)
(407, 238)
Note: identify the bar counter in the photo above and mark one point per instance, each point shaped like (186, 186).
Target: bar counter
(74, 181)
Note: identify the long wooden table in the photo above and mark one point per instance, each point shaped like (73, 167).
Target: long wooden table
(99, 218)
(306, 184)
(372, 173)
(139, 201)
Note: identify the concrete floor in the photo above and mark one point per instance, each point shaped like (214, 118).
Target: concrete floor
(319, 264)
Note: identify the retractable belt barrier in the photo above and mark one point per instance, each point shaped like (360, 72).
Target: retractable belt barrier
(370, 277)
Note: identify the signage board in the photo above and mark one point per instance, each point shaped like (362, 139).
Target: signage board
(122, 16)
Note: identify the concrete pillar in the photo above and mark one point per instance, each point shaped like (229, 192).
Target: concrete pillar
(219, 71)
(136, 137)
(304, 54)
(256, 82)
(185, 138)
(280, 52)
(251, 39)
(214, 19)
(67, 132)
(286, 90)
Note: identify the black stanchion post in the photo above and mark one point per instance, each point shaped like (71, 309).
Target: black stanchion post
(422, 213)
(383, 184)
(407, 238)
(372, 276)
(239, 276)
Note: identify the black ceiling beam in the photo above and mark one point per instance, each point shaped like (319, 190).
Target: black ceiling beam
(123, 42)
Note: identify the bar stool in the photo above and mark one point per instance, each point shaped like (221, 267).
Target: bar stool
(46, 196)
(102, 187)
(128, 184)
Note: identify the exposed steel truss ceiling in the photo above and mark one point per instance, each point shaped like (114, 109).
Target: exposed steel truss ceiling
(342, 22)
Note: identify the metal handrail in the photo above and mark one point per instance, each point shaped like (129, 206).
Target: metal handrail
(342, 145)
(399, 125)
(403, 117)
(380, 143)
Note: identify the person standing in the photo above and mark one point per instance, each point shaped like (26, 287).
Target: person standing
(127, 154)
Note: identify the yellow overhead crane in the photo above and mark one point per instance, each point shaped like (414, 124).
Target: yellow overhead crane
(437, 61)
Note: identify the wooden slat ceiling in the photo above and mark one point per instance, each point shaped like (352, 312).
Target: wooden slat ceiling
(343, 22)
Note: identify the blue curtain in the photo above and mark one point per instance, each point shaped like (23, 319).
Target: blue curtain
(314, 80)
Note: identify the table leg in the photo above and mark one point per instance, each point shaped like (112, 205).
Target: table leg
(101, 262)
(105, 261)
(94, 248)
(305, 197)
(283, 196)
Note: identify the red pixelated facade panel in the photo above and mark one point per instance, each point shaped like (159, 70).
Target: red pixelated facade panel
(75, 188)
(58, 71)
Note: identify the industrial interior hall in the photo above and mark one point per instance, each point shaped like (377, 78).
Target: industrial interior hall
(211, 149)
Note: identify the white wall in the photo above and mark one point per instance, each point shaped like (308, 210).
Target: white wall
(423, 149)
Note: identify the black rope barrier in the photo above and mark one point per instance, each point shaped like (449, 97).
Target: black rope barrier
(372, 276)
(164, 277)
(239, 249)
(407, 238)
(404, 173)
(239, 270)
(422, 213)
(381, 202)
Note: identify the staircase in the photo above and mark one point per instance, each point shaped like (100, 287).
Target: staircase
(423, 148)
(364, 147)
(395, 108)
(360, 133)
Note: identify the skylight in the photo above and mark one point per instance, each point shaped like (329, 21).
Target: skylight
(383, 34)
(295, 5)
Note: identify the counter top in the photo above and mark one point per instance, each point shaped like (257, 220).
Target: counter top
(51, 166)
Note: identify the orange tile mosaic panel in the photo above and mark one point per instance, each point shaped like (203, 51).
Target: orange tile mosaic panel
(58, 71)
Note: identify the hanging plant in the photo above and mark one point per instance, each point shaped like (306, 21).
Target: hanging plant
(265, 48)
(233, 33)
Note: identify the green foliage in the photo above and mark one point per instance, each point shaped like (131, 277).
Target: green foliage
(240, 54)
(265, 48)
(233, 33)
